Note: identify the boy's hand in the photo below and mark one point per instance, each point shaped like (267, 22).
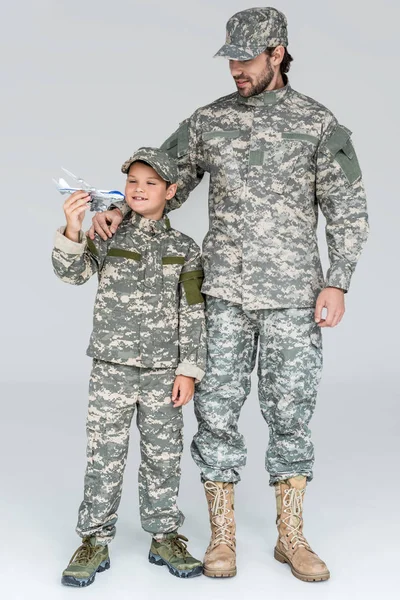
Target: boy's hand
(183, 390)
(105, 223)
(74, 209)
(333, 300)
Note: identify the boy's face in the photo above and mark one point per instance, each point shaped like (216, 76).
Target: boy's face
(146, 192)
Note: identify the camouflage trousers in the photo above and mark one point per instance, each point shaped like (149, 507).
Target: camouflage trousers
(289, 370)
(114, 392)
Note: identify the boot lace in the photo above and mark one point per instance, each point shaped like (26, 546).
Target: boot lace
(84, 553)
(293, 507)
(178, 546)
(219, 512)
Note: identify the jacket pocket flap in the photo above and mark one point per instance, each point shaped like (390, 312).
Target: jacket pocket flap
(221, 133)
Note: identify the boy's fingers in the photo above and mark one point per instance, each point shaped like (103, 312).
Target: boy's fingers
(182, 401)
(80, 209)
(187, 398)
(74, 197)
(337, 318)
(329, 317)
(70, 209)
(340, 317)
(318, 311)
(78, 203)
(175, 390)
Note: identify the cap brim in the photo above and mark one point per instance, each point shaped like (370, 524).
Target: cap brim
(236, 53)
(149, 162)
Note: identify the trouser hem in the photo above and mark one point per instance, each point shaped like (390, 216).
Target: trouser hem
(100, 541)
(160, 530)
(288, 475)
(219, 477)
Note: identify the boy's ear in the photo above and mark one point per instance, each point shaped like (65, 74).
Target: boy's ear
(171, 191)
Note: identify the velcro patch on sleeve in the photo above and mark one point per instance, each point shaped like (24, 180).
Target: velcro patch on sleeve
(340, 146)
(192, 282)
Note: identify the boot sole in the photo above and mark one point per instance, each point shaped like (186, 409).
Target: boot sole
(309, 578)
(76, 582)
(156, 559)
(220, 574)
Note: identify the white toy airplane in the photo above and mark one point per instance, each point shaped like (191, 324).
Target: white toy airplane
(101, 199)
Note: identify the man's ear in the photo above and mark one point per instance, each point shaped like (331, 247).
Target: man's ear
(277, 55)
(171, 191)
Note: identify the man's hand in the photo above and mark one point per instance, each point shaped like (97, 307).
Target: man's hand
(333, 300)
(105, 223)
(183, 390)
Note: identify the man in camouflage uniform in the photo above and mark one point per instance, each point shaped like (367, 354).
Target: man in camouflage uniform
(274, 156)
(148, 335)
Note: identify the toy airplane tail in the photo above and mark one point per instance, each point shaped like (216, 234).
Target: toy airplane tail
(62, 186)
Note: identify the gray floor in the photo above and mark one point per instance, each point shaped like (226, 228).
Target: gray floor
(351, 506)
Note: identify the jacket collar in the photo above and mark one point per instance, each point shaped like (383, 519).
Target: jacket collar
(150, 226)
(266, 98)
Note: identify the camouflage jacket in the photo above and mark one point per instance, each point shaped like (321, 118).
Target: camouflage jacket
(149, 311)
(273, 159)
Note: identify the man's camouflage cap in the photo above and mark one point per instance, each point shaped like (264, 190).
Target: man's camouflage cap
(163, 164)
(249, 32)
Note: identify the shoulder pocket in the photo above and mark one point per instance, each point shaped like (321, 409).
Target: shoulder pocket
(192, 282)
(340, 146)
(177, 144)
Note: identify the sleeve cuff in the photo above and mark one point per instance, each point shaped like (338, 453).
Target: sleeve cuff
(66, 245)
(190, 370)
(122, 206)
(339, 276)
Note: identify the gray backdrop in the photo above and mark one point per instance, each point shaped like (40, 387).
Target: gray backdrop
(84, 83)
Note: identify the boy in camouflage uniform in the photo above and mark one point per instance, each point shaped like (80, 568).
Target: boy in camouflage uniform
(148, 350)
(275, 157)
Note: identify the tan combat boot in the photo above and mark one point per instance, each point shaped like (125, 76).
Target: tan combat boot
(220, 557)
(292, 547)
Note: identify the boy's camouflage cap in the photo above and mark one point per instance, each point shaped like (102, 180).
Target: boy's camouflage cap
(249, 32)
(163, 164)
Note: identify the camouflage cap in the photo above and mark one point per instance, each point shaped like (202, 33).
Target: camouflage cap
(249, 32)
(161, 162)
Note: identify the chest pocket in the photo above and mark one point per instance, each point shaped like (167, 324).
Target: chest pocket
(123, 269)
(290, 156)
(223, 156)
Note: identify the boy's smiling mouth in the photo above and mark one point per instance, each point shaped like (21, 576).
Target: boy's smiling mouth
(139, 198)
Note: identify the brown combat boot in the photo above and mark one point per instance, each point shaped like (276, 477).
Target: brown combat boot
(292, 547)
(220, 557)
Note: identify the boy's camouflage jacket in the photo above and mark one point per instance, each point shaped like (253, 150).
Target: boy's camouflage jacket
(149, 311)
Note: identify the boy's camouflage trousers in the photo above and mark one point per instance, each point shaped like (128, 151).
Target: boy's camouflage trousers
(114, 392)
(289, 370)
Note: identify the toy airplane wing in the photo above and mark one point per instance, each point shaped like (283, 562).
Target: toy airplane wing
(100, 199)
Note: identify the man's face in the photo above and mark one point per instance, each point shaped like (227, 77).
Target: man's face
(252, 76)
(146, 192)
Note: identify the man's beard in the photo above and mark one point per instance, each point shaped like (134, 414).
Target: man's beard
(262, 82)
